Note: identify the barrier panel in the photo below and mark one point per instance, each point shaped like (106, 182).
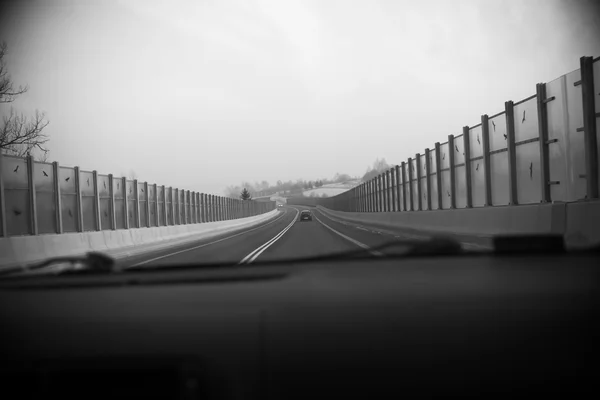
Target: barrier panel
(88, 199)
(460, 183)
(576, 174)
(477, 167)
(45, 198)
(423, 177)
(68, 200)
(16, 196)
(152, 221)
(104, 196)
(541, 149)
(433, 184)
(43, 183)
(445, 176)
(119, 203)
(132, 205)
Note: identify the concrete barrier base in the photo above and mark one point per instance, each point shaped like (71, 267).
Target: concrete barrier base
(578, 222)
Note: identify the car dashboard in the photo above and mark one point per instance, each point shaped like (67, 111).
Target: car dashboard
(470, 326)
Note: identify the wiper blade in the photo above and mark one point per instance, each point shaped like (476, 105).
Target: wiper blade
(92, 262)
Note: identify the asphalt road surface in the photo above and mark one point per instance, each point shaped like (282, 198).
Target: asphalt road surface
(284, 238)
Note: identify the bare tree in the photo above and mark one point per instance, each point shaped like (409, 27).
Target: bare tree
(19, 135)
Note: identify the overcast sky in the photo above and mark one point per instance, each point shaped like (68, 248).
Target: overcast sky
(205, 94)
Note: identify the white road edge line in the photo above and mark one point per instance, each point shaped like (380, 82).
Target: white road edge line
(356, 242)
(258, 251)
(206, 244)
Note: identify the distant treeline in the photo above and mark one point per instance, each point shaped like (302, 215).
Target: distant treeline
(290, 187)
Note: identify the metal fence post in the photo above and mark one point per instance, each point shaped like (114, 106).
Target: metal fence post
(202, 208)
(393, 189)
(438, 175)
(382, 192)
(96, 201)
(485, 141)
(172, 195)
(79, 201)
(368, 196)
(164, 206)
(542, 114)
(33, 224)
(147, 205)
(156, 205)
(378, 190)
(512, 150)
(404, 185)
(374, 194)
(375, 186)
(359, 204)
(198, 216)
(388, 189)
(136, 193)
(589, 126)
(397, 173)
(219, 208)
(57, 197)
(361, 197)
(185, 206)
(364, 196)
(452, 171)
(207, 207)
(111, 192)
(428, 177)
(192, 207)
(410, 179)
(125, 201)
(190, 195)
(418, 178)
(379, 196)
(222, 208)
(467, 147)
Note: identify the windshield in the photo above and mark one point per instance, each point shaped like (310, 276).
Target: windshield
(164, 134)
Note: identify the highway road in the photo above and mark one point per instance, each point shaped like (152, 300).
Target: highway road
(283, 238)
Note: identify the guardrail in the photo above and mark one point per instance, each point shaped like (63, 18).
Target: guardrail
(542, 149)
(45, 198)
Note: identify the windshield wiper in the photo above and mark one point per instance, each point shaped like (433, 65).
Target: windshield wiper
(92, 263)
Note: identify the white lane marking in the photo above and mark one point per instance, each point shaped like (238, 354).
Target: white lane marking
(361, 228)
(258, 251)
(206, 244)
(356, 242)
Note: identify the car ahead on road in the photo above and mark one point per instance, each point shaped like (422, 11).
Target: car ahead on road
(305, 215)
